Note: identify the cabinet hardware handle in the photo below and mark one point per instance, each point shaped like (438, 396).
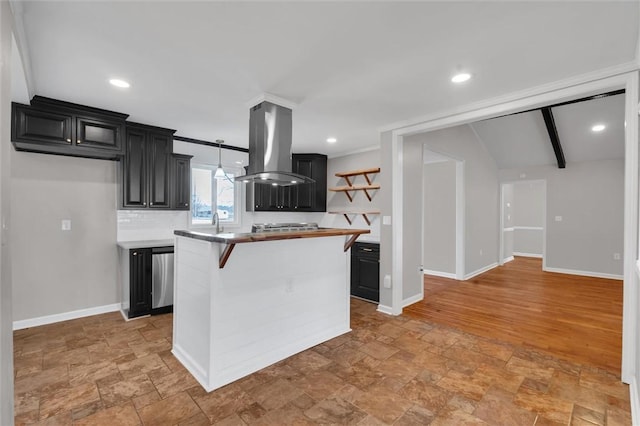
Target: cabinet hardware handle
(135, 253)
(144, 204)
(69, 140)
(79, 141)
(150, 204)
(367, 249)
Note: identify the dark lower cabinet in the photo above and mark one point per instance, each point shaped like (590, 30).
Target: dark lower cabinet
(308, 197)
(146, 169)
(140, 275)
(365, 271)
(146, 271)
(180, 181)
(56, 127)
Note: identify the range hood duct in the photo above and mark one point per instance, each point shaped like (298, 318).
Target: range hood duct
(270, 135)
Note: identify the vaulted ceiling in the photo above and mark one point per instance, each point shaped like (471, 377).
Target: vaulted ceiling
(351, 67)
(522, 140)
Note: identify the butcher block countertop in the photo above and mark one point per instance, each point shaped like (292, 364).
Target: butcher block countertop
(231, 239)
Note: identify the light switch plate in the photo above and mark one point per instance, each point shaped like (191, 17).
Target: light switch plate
(386, 220)
(558, 218)
(66, 224)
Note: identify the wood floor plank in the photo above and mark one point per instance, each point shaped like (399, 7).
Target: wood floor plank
(572, 317)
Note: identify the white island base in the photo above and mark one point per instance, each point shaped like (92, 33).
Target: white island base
(271, 300)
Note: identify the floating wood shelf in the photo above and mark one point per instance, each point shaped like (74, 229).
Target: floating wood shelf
(361, 172)
(365, 215)
(365, 188)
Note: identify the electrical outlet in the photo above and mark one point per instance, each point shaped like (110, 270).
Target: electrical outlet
(558, 218)
(288, 286)
(66, 224)
(386, 283)
(386, 220)
(523, 175)
(616, 256)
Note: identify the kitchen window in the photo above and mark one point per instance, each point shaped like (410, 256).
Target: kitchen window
(210, 194)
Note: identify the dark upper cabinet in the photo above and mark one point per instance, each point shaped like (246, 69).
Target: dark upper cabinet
(56, 127)
(159, 148)
(309, 197)
(365, 271)
(99, 134)
(181, 181)
(134, 169)
(40, 126)
(140, 281)
(146, 169)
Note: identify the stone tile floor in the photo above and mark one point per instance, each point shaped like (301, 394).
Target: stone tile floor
(102, 370)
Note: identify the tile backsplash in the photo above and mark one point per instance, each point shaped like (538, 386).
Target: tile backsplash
(137, 225)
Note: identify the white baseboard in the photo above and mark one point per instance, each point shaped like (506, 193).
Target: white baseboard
(584, 273)
(521, 254)
(480, 271)
(440, 274)
(385, 309)
(507, 259)
(65, 316)
(634, 399)
(411, 300)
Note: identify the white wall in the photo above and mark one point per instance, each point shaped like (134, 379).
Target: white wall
(57, 271)
(439, 226)
(589, 197)
(412, 277)
(337, 201)
(6, 315)
(481, 192)
(528, 215)
(507, 221)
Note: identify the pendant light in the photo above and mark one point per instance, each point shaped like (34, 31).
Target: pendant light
(219, 171)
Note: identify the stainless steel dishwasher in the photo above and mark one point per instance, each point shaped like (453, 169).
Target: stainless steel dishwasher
(161, 278)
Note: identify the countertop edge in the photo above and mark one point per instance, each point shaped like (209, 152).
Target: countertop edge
(127, 245)
(269, 236)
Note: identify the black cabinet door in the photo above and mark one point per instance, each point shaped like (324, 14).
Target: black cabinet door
(269, 198)
(49, 126)
(99, 134)
(310, 197)
(134, 167)
(140, 276)
(365, 271)
(40, 126)
(181, 181)
(159, 153)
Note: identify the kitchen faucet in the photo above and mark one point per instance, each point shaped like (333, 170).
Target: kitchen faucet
(215, 221)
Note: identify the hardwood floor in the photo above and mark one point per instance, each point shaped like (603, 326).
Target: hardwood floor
(571, 317)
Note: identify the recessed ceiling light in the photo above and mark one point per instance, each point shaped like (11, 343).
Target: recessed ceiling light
(461, 77)
(332, 140)
(598, 128)
(119, 83)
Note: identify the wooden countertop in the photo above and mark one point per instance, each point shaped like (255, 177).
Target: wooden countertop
(252, 237)
(231, 239)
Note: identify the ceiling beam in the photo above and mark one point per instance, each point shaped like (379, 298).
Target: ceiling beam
(574, 101)
(553, 136)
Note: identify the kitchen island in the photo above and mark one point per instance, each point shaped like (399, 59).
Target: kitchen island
(279, 293)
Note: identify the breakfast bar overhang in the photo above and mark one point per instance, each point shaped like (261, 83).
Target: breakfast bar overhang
(279, 293)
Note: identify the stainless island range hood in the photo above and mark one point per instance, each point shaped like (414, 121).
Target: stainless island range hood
(270, 135)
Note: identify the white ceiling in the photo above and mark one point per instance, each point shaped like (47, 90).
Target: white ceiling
(522, 140)
(351, 67)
